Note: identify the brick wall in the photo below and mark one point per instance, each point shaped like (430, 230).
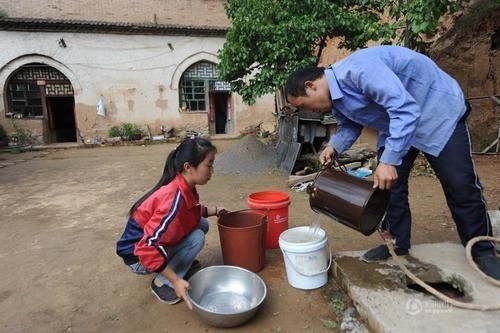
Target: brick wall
(183, 12)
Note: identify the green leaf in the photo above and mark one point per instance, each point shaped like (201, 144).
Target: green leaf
(270, 38)
(329, 324)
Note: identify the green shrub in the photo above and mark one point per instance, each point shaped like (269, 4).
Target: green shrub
(115, 131)
(127, 131)
(132, 131)
(23, 136)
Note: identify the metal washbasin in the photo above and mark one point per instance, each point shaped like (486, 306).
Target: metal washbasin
(226, 296)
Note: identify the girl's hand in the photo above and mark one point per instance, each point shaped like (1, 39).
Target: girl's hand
(219, 211)
(181, 288)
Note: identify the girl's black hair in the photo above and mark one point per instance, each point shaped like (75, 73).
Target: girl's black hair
(191, 150)
(294, 85)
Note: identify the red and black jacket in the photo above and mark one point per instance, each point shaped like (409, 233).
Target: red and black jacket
(160, 222)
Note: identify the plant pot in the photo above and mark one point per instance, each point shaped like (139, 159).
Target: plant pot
(16, 149)
(26, 148)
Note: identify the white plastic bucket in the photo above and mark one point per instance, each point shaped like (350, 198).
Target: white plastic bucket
(307, 257)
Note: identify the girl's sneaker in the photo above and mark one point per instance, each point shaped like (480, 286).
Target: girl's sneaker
(195, 265)
(164, 293)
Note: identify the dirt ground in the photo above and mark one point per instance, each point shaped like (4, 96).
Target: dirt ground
(61, 213)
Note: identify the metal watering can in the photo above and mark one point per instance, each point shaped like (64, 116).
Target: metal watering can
(350, 200)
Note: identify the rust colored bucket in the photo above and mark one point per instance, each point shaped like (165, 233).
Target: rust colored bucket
(350, 200)
(243, 239)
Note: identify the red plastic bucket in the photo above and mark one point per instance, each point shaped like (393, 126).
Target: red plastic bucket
(276, 203)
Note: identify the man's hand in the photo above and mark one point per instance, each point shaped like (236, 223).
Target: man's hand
(385, 176)
(326, 155)
(181, 287)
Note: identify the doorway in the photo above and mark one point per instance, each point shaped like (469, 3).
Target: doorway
(221, 106)
(62, 125)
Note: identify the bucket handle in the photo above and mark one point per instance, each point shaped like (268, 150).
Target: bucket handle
(266, 210)
(303, 274)
(335, 164)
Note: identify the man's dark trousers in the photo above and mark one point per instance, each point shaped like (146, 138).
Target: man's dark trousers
(456, 172)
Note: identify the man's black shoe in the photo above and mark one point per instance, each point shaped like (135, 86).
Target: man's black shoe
(380, 253)
(489, 265)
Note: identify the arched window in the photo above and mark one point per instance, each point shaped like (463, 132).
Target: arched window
(195, 85)
(23, 93)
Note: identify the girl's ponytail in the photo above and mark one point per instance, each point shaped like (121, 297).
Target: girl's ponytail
(167, 176)
(169, 171)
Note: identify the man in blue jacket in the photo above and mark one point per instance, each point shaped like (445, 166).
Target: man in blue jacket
(415, 107)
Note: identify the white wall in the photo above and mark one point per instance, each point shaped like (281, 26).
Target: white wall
(137, 76)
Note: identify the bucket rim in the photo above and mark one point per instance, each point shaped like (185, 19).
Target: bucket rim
(322, 233)
(268, 205)
(256, 211)
(231, 267)
(368, 231)
(279, 196)
(241, 229)
(262, 222)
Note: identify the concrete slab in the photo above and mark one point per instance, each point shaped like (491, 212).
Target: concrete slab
(59, 145)
(495, 221)
(385, 302)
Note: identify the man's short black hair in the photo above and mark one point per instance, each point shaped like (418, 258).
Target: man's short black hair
(294, 85)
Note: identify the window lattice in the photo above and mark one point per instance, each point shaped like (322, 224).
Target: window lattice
(202, 69)
(24, 94)
(40, 72)
(58, 89)
(194, 84)
(24, 100)
(193, 95)
(220, 86)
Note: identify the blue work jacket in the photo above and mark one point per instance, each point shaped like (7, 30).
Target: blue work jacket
(402, 94)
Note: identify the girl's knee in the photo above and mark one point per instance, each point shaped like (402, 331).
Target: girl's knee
(203, 225)
(198, 238)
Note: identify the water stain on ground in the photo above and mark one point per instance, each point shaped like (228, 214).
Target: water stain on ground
(387, 275)
(366, 275)
(5, 295)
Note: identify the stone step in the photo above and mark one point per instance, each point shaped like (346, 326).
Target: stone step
(385, 302)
